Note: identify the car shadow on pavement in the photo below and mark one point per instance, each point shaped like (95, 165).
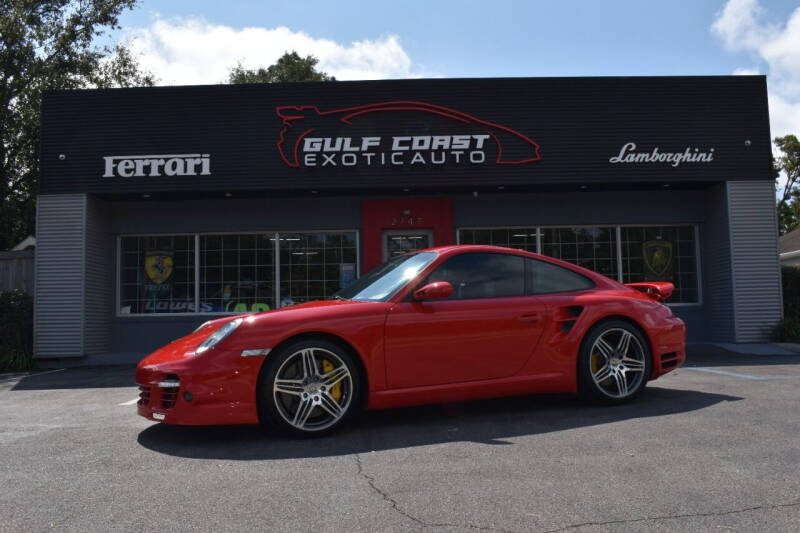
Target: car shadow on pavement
(487, 421)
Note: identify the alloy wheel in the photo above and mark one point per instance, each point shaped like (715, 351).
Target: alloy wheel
(617, 363)
(313, 389)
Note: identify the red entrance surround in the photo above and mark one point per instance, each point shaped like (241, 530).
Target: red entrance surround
(413, 213)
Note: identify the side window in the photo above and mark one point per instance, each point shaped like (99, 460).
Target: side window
(482, 275)
(544, 278)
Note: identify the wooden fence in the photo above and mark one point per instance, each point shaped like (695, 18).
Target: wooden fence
(16, 271)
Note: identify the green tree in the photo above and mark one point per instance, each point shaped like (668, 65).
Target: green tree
(47, 45)
(788, 163)
(289, 67)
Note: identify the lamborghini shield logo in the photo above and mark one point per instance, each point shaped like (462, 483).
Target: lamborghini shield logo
(158, 266)
(657, 259)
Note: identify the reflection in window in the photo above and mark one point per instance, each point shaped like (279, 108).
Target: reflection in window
(315, 265)
(544, 278)
(157, 274)
(593, 247)
(482, 275)
(520, 238)
(662, 253)
(237, 273)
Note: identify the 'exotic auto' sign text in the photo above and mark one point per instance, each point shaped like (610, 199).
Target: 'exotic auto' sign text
(346, 137)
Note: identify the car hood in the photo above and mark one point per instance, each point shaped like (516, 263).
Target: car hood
(184, 347)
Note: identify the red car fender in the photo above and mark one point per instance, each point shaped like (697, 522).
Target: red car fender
(357, 324)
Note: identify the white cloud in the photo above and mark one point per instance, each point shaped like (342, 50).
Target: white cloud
(194, 51)
(741, 26)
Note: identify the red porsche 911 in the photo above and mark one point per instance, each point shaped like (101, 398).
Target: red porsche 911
(444, 324)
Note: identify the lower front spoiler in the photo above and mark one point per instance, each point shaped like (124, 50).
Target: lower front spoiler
(201, 415)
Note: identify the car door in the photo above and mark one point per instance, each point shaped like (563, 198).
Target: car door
(487, 329)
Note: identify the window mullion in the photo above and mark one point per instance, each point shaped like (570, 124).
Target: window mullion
(619, 253)
(276, 266)
(196, 272)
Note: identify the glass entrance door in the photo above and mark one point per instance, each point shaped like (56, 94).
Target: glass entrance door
(398, 242)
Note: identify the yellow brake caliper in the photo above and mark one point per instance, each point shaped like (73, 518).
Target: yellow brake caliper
(594, 363)
(336, 390)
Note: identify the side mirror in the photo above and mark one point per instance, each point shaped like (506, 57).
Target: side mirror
(434, 291)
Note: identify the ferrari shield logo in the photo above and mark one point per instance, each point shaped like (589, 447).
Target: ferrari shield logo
(158, 266)
(657, 259)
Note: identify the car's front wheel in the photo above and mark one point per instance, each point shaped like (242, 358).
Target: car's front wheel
(309, 387)
(614, 363)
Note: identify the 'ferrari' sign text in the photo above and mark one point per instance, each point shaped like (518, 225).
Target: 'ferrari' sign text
(139, 166)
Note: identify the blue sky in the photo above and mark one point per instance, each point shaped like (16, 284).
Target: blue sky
(196, 41)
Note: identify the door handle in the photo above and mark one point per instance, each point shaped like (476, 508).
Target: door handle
(530, 317)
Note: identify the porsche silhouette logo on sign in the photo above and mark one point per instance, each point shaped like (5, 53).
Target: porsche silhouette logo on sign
(347, 137)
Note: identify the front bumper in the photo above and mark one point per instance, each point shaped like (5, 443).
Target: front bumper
(199, 391)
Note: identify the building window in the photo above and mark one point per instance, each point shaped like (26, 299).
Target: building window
(657, 253)
(157, 274)
(519, 238)
(237, 273)
(662, 253)
(592, 247)
(313, 266)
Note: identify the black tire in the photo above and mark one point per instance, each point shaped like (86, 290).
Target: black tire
(625, 379)
(304, 409)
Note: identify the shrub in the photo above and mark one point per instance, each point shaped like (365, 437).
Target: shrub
(788, 330)
(16, 331)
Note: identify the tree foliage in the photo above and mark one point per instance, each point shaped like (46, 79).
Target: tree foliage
(47, 45)
(788, 164)
(289, 67)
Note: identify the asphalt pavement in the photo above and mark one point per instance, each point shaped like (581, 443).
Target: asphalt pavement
(712, 446)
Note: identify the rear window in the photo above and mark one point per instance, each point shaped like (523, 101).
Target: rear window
(546, 278)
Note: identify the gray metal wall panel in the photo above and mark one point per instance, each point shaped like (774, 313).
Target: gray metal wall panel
(717, 266)
(59, 299)
(99, 278)
(754, 250)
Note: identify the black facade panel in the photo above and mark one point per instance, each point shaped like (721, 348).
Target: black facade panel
(578, 125)
(143, 333)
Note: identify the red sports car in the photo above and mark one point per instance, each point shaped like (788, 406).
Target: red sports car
(444, 324)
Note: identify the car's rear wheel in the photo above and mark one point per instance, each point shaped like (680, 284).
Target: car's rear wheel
(614, 363)
(309, 387)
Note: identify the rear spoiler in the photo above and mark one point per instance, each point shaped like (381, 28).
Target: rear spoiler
(657, 290)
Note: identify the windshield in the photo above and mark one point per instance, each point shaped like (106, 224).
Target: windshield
(383, 282)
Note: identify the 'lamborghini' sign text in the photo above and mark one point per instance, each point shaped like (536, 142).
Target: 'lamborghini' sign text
(628, 154)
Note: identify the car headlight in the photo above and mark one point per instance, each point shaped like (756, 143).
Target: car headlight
(217, 337)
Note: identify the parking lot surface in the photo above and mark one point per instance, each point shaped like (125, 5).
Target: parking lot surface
(714, 446)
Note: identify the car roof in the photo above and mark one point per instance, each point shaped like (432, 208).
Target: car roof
(453, 249)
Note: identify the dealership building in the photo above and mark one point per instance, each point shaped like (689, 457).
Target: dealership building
(162, 207)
